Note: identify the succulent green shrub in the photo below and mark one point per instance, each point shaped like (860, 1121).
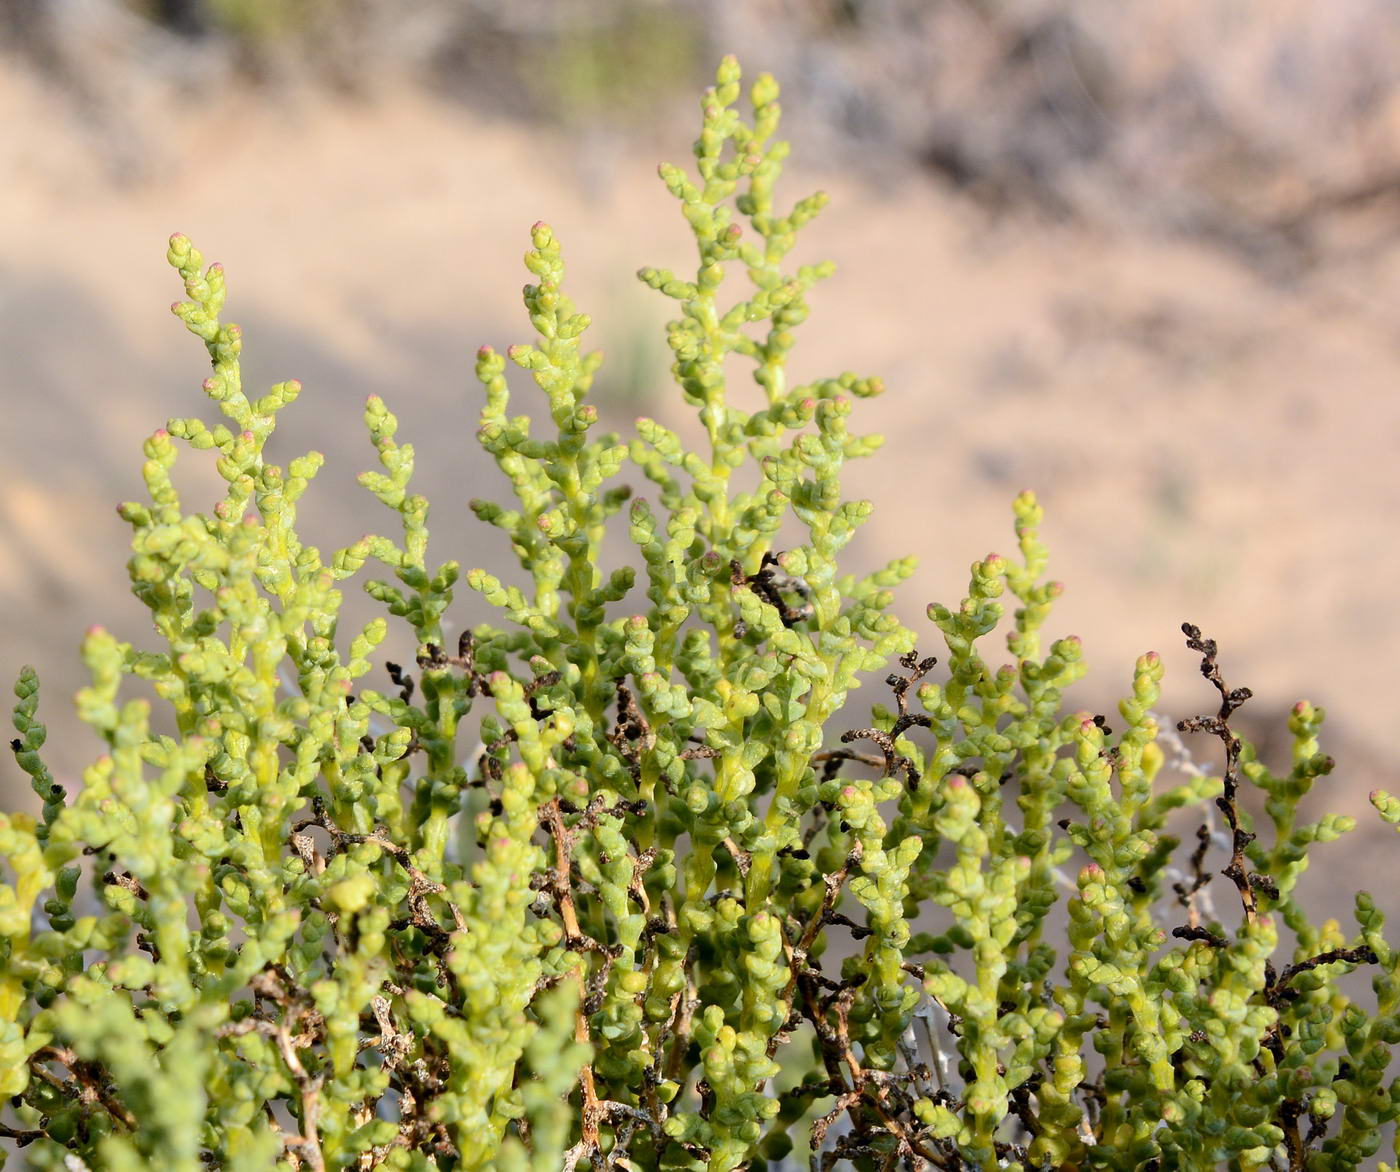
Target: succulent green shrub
(619, 882)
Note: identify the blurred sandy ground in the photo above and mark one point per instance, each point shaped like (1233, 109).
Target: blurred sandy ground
(1142, 257)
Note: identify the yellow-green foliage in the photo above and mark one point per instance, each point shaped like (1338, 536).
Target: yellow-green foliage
(703, 920)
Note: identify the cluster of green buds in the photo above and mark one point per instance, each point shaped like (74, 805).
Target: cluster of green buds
(614, 882)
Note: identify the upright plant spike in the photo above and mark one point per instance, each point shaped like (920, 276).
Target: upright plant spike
(700, 917)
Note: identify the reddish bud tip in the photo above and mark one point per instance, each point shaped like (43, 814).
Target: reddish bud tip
(160, 434)
(1075, 639)
(1375, 795)
(372, 400)
(1153, 659)
(246, 437)
(178, 237)
(484, 352)
(217, 267)
(175, 306)
(294, 384)
(95, 631)
(210, 384)
(956, 781)
(1300, 707)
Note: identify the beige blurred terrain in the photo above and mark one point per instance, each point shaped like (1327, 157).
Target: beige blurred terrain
(1187, 344)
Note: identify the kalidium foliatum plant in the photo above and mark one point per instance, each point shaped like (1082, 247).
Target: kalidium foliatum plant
(619, 881)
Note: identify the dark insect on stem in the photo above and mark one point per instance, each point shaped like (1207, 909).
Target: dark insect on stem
(770, 583)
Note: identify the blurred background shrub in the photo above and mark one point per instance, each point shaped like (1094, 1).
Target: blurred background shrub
(1258, 126)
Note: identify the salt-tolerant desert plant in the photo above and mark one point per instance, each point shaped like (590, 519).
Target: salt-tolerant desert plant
(619, 881)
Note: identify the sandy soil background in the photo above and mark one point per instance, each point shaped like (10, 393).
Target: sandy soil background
(1213, 435)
